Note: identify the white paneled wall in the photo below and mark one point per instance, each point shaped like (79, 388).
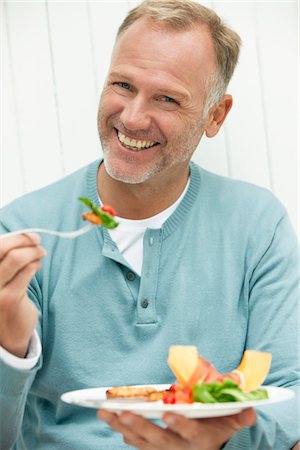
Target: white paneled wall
(55, 55)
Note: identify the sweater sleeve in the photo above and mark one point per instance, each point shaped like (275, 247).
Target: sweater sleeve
(14, 387)
(272, 293)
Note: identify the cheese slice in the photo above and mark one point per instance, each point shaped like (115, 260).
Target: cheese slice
(183, 360)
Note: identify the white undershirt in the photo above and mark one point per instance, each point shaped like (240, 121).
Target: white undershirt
(128, 236)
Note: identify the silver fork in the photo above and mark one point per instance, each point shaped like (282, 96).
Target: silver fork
(63, 234)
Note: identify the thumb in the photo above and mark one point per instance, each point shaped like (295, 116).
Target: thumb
(246, 418)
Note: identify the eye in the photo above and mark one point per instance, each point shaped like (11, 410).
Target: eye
(167, 99)
(123, 85)
(167, 103)
(122, 88)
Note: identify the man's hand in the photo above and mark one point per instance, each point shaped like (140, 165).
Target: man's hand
(181, 433)
(19, 260)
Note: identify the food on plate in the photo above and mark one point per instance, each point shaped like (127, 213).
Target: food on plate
(157, 395)
(183, 361)
(254, 368)
(99, 216)
(198, 381)
(130, 392)
(226, 391)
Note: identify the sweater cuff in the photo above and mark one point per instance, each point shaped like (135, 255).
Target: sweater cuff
(31, 359)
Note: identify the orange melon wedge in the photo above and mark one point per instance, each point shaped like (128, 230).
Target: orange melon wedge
(183, 361)
(254, 368)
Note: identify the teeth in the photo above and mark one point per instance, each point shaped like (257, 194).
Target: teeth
(134, 143)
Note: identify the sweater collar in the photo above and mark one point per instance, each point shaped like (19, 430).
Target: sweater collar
(183, 210)
(179, 215)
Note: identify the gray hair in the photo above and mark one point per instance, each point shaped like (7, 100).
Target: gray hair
(184, 14)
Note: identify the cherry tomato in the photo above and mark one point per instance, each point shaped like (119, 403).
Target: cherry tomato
(169, 398)
(108, 209)
(172, 388)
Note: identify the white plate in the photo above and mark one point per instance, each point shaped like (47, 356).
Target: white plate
(96, 398)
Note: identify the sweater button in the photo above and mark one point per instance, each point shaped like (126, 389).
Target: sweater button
(144, 303)
(130, 276)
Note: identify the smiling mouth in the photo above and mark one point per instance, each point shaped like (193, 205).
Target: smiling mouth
(134, 144)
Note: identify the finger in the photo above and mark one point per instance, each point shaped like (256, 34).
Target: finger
(8, 242)
(212, 430)
(188, 429)
(114, 420)
(14, 291)
(138, 429)
(16, 260)
(129, 437)
(247, 418)
(122, 424)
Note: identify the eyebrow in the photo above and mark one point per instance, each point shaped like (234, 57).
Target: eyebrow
(180, 96)
(121, 76)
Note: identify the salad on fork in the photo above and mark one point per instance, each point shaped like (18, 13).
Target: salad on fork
(103, 216)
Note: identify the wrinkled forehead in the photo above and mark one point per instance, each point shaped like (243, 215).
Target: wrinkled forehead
(189, 49)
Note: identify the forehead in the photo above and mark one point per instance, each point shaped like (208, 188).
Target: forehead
(185, 55)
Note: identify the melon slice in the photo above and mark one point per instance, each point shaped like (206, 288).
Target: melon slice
(183, 360)
(254, 368)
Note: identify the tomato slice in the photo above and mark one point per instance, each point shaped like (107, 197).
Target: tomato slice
(108, 209)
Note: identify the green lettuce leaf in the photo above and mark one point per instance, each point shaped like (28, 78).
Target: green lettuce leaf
(107, 220)
(228, 391)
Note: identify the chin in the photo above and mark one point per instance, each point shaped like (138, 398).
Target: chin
(128, 177)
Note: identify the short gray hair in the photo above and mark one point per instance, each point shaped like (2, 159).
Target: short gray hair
(184, 14)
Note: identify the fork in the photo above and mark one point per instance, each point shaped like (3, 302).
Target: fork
(63, 234)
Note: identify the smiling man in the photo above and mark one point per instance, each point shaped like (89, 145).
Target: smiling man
(198, 259)
(152, 110)
(150, 114)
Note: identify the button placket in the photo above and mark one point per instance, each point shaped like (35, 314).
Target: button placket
(146, 309)
(144, 303)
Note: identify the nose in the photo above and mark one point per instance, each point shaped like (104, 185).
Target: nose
(135, 114)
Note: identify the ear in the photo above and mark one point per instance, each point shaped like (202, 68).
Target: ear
(217, 116)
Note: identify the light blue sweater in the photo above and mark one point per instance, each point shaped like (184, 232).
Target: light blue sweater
(220, 274)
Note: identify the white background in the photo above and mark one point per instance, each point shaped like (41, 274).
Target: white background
(55, 56)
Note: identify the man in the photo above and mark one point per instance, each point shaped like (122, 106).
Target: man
(197, 259)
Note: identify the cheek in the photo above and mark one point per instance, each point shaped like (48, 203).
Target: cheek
(169, 123)
(111, 103)
(172, 127)
(184, 136)
(107, 110)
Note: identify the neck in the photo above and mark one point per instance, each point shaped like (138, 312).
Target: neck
(143, 200)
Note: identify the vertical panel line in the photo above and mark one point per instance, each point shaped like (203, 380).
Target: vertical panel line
(263, 100)
(5, 21)
(54, 80)
(225, 131)
(93, 51)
